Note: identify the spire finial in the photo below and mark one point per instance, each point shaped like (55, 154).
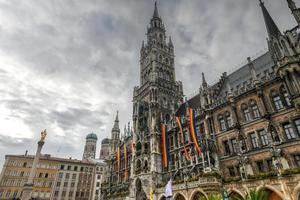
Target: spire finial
(117, 117)
(155, 14)
(252, 71)
(272, 28)
(204, 84)
(116, 123)
(291, 5)
(170, 41)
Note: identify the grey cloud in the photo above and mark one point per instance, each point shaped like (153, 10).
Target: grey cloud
(72, 64)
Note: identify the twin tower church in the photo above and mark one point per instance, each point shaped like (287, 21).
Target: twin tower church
(240, 133)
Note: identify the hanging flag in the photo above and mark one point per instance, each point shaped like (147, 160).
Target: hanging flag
(187, 155)
(168, 189)
(125, 161)
(151, 194)
(118, 159)
(193, 131)
(165, 145)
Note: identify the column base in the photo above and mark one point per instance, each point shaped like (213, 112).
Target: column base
(27, 191)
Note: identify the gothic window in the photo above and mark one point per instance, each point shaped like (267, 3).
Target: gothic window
(277, 102)
(246, 113)
(260, 166)
(226, 147)
(138, 148)
(160, 58)
(284, 47)
(289, 131)
(297, 124)
(297, 160)
(277, 50)
(263, 137)
(146, 148)
(254, 109)
(253, 139)
(231, 171)
(234, 145)
(186, 137)
(274, 134)
(146, 165)
(228, 119)
(167, 61)
(222, 123)
(286, 96)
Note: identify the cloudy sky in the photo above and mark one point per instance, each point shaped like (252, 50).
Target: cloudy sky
(67, 66)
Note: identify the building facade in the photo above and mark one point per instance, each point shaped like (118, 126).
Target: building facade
(247, 124)
(75, 180)
(56, 178)
(16, 170)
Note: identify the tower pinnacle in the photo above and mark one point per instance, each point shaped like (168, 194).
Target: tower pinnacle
(155, 13)
(272, 28)
(295, 10)
(116, 123)
(204, 83)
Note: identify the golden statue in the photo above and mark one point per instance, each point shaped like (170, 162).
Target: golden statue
(43, 135)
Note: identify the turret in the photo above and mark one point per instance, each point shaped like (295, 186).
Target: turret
(295, 11)
(253, 72)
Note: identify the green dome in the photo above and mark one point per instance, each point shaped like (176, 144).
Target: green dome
(92, 136)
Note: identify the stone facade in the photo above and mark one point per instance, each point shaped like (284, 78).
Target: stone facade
(248, 124)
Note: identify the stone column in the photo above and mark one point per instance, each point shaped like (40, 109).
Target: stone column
(27, 190)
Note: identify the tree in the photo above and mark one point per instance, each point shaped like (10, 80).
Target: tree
(253, 195)
(256, 195)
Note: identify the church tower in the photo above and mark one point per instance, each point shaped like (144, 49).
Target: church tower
(115, 136)
(154, 102)
(90, 146)
(285, 51)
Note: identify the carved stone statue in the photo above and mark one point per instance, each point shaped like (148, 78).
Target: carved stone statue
(43, 135)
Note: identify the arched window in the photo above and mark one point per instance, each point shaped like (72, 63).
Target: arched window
(276, 100)
(228, 119)
(160, 58)
(274, 134)
(283, 44)
(286, 96)
(246, 113)
(138, 148)
(146, 148)
(167, 61)
(277, 50)
(222, 123)
(254, 109)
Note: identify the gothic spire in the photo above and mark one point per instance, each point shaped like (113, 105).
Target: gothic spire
(204, 84)
(291, 4)
(155, 13)
(170, 42)
(116, 124)
(252, 71)
(272, 28)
